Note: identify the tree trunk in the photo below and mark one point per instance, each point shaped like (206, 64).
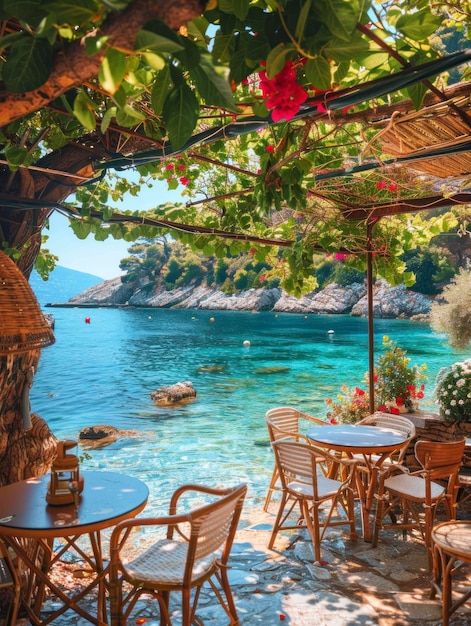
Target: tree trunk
(23, 452)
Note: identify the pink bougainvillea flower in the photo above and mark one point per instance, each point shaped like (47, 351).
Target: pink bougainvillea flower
(392, 186)
(340, 256)
(381, 185)
(283, 95)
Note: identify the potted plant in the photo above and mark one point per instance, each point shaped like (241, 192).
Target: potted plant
(453, 392)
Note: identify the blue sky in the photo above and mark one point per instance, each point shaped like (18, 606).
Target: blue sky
(101, 258)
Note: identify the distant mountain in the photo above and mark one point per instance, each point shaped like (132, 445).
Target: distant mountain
(63, 283)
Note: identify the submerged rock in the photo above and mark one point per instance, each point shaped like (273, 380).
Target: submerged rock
(173, 393)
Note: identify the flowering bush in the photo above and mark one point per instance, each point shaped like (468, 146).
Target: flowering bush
(453, 391)
(352, 406)
(397, 388)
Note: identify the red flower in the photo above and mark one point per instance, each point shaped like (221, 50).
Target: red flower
(181, 167)
(381, 185)
(270, 148)
(420, 395)
(399, 401)
(382, 408)
(184, 180)
(282, 93)
(359, 391)
(394, 410)
(411, 387)
(375, 379)
(392, 187)
(169, 166)
(333, 420)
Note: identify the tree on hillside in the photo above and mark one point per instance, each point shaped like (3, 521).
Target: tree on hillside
(261, 113)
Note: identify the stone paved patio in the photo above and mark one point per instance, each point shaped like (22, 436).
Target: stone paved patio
(358, 586)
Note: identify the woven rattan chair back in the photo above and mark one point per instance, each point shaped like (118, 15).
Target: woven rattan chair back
(196, 549)
(285, 422)
(322, 502)
(439, 461)
(9, 581)
(399, 423)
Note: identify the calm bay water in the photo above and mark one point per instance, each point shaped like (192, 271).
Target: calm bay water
(104, 372)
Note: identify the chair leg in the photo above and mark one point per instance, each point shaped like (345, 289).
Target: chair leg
(312, 521)
(277, 524)
(271, 488)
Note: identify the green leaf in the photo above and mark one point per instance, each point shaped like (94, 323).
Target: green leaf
(417, 93)
(147, 40)
(341, 17)
(28, 11)
(127, 116)
(83, 111)
(214, 89)
(180, 112)
(94, 44)
(408, 278)
(154, 61)
(419, 25)
(28, 66)
(340, 50)
(112, 69)
(241, 8)
(101, 234)
(160, 90)
(277, 58)
(108, 116)
(81, 229)
(71, 11)
(224, 47)
(317, 72)
(17, 156)
(302, 19)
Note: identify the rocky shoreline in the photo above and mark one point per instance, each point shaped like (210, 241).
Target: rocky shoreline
(388, 302)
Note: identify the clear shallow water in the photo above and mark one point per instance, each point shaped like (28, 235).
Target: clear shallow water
(104, 372)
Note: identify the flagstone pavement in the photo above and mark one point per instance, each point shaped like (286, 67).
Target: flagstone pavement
(357, 585)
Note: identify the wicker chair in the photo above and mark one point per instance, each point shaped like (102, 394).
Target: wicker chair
(393, 422)
(9, 580)
(417, 493)
(305, 486)
(195, 549)
(285, 422)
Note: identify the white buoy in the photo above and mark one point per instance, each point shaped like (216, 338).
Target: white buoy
(331, 332)
(247, 343)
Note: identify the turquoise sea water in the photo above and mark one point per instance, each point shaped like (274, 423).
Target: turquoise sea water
(104, 372)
